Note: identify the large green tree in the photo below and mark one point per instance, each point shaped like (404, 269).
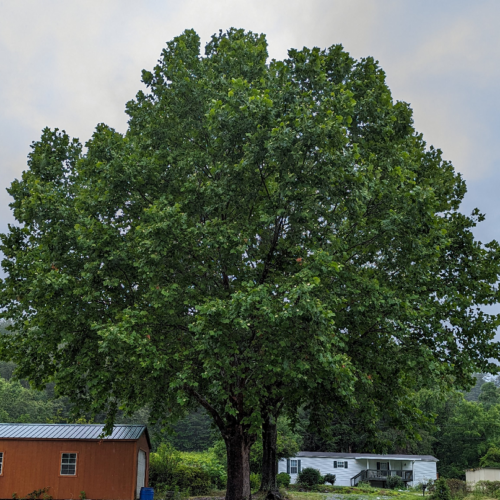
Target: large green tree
(266, 235)
(465, 430)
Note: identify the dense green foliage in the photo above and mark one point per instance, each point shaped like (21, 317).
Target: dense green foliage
(309, 477)
(254, 480)
(441, 490)
(267, 235)
(19, 404)
(330, 478)
(489, 488)
(395, 482)
(198, 472)
(491, 458)
(460, 434)
(489, 395)
(193, 432)
(283, 479)
(458, 488)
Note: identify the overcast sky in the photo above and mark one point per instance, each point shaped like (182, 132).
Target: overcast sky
(73, 64)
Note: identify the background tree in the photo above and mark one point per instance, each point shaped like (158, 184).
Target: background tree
(266, 236)
(491, 458)
(489, 395)
(457, 432)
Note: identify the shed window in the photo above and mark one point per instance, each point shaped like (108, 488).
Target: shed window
(68, 464)
(293, 466)
(1, 462)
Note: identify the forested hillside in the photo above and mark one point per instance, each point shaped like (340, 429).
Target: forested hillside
(20, 403)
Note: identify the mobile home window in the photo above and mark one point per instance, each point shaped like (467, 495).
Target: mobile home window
(293, 466)
(340, 465)
(1, 462)
(68, 464)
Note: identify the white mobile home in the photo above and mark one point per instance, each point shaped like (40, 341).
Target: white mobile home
(352, 468)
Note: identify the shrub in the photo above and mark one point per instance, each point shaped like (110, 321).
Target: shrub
(330, 478)
(394, 482)
(363, 484)
(490, 488)
(424, 486)
(194, 479)
(34, 495)
(458, 488)
(208, 461)
(162, 464)
(254, 481)
(441, 490)
(169, 467)
(283, 480)
(309, 477)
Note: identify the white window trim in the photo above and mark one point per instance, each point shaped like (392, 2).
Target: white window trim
(61, 473)
(292, 467)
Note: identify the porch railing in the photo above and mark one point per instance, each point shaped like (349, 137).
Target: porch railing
(381, 475)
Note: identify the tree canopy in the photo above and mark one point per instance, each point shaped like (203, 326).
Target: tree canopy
(266, 235)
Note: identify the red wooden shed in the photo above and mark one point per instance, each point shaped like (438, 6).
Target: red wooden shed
(71, 458)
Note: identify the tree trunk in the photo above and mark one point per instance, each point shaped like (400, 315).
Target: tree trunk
(238, 444)
(269, 462)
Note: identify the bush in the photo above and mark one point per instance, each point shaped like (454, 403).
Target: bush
(162, 464)
(490, 488)
(209, 462)
(169, 467)
(441, 490)
(330, 478)
(458, 488)
(423, 486)
(283, 480)
(194, 479)
(309, 477)
(394, 482)
(363, 484)
(254, 481)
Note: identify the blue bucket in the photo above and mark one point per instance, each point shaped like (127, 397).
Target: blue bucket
(146, 493)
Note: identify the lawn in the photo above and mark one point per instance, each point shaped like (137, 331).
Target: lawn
(375, 494)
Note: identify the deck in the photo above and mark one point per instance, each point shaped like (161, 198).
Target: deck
(381, 475)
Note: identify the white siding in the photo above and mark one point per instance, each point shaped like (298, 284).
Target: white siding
(325, 466)
(423, 471)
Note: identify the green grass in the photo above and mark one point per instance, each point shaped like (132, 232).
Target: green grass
(344, 492)
(348, 493)
(306, 495)
(355, 494)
